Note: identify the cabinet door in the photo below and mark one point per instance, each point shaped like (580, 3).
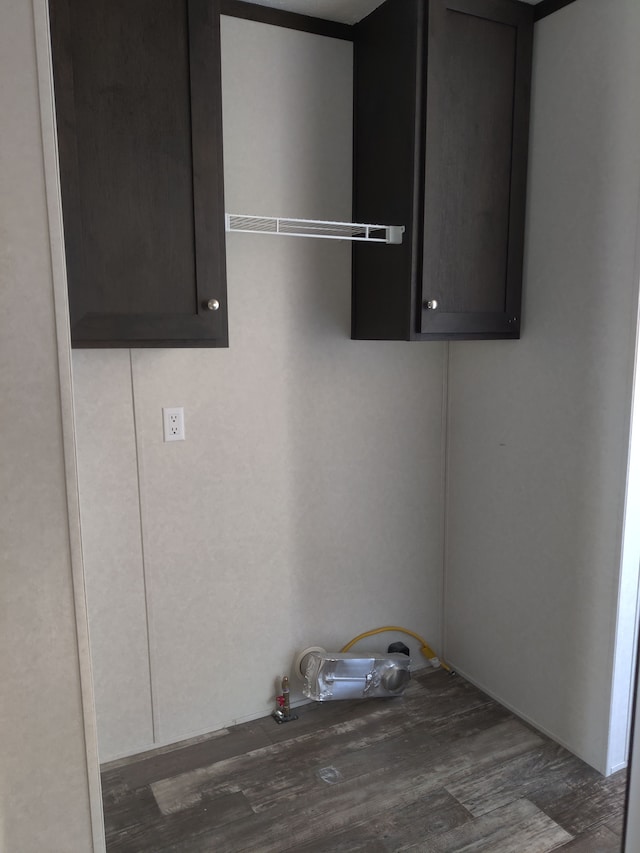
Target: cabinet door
(138, 106)
(477, 84)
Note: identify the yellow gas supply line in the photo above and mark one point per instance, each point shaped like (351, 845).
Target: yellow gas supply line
(426, 649)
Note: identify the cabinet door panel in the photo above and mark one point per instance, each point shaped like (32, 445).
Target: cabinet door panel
(470, 199)
(128, 123)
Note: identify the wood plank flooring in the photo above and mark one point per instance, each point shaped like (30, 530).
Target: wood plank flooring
(442, 769)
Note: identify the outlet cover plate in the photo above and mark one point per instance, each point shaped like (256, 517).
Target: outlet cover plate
(173, 423)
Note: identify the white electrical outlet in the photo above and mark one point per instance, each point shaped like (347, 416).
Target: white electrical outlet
(173, 421)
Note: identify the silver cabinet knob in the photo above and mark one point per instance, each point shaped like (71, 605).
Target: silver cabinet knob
(213, 305)
(431, 304)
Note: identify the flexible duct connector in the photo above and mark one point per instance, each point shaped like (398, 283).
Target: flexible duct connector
(425, 648)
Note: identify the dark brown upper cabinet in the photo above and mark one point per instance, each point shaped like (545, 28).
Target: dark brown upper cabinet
(138, 106)
(442, 91)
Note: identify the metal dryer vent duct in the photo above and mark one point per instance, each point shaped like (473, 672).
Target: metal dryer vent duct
(349, 675)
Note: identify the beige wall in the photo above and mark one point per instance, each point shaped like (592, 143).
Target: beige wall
(305, 505)
(112, 543)
(44, 782)
(538, 429)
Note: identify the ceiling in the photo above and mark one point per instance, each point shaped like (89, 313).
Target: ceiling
(345, 11)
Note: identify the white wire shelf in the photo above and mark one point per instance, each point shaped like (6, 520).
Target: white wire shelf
(324, 229)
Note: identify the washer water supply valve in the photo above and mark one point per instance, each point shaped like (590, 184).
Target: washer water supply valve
(282, 713)
(349, 675)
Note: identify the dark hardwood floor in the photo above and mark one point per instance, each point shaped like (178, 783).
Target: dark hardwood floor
(443, 768)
